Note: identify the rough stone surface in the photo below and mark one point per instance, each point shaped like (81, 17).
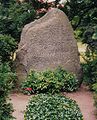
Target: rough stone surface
(48, 43)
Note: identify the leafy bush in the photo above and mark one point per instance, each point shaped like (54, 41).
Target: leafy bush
(6, 82)
(83, 19)
(95, 99)
(90, 72)
(6, 109)
(14, 17)
(7, 47)
(49, 81)
(52, 107)
(94, 87)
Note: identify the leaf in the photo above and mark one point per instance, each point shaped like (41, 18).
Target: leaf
(75, 20)
(94, 37)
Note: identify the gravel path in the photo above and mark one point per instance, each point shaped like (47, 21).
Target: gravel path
(83, 97)
(19, 103)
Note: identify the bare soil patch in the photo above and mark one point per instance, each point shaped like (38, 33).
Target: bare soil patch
(84, 99)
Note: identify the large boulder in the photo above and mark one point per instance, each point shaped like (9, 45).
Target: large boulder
(48, 43)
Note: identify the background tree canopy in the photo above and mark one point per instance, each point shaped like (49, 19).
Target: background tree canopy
(83, 17)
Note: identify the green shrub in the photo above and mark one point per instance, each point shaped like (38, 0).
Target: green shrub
(6, 82)
(52, 107)
(14, 17)
(90, 72)
(7, 47)
(94, 87)
(49, 81)
(6, 109)
(95, 99)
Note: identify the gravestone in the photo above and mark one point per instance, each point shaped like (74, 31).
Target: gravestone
(48, 43)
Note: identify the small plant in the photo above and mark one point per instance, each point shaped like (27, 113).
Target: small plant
(6, 82)
(70, 83)
(95, 99)
(49, 82)
(7, 47)
(94, 87)
(90, 72)
(52, 107)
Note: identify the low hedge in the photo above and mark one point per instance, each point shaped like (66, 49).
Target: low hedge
(49, 82)
(6, 82)
(94, 87)
(7, 47)
(52, 107)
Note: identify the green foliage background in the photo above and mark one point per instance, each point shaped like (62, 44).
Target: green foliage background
(7, 47)
(14, 17)
(6, 83)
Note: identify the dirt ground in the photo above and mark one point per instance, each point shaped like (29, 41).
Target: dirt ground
(83, 97)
